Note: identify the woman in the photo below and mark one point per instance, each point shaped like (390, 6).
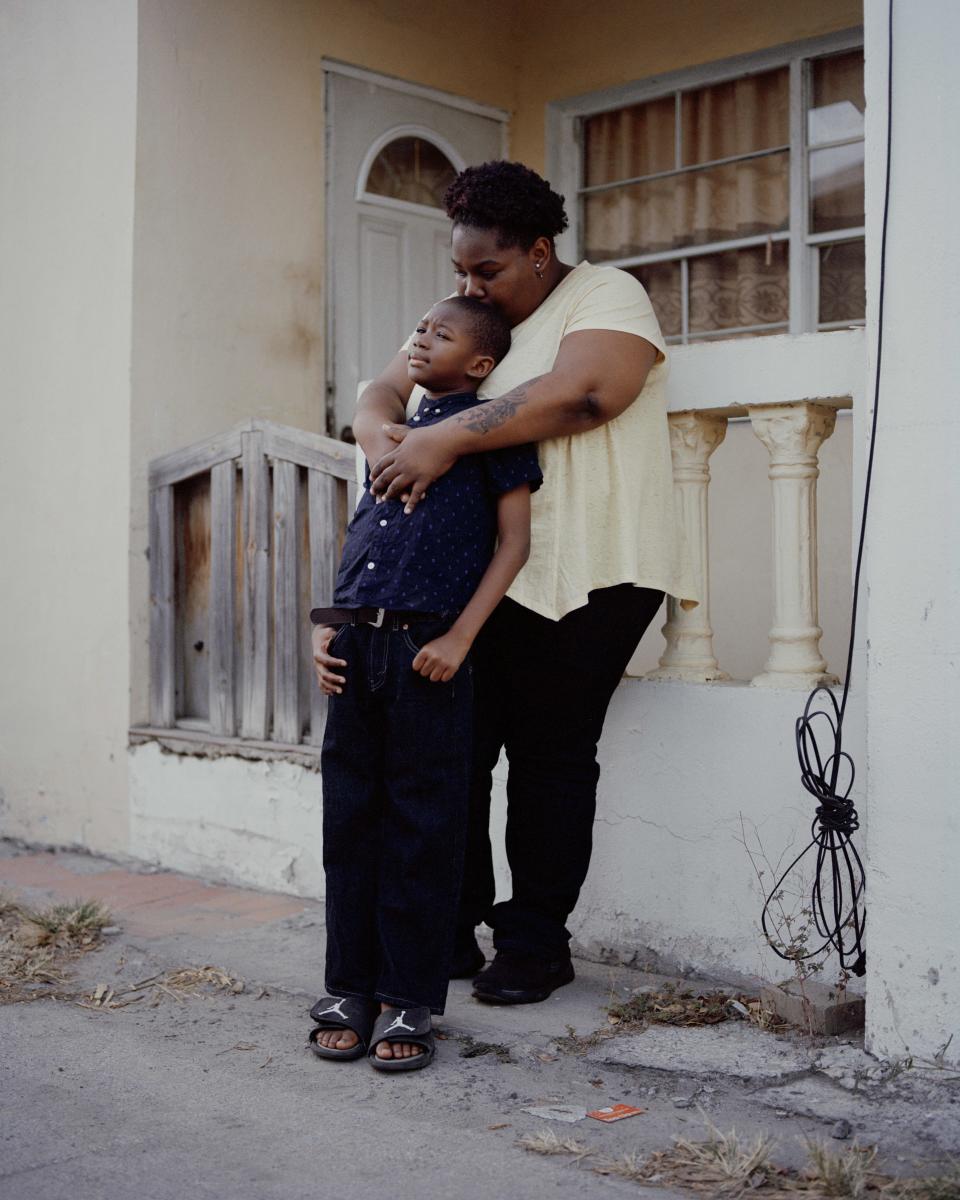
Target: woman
(585, 379)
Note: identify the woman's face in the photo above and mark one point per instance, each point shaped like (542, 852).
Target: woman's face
(505, 277)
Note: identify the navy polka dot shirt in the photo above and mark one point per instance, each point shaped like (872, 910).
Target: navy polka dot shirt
(433, 559)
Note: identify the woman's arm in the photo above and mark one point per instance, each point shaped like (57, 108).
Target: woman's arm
(440, 659)
(382, 402)
(596, 376)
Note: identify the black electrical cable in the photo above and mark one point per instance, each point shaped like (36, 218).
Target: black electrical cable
(836, 900)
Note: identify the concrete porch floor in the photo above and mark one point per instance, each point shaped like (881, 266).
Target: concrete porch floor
(216, 1096)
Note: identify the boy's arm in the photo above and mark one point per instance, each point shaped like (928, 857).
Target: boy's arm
(440, 659)
(382, 402)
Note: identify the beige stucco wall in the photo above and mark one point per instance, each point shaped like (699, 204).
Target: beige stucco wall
(567, 50)
(67, 126)
(229, 261)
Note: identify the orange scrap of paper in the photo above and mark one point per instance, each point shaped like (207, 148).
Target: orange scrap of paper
(616, 1112)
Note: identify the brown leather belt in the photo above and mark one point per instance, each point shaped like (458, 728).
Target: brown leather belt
(367, 616)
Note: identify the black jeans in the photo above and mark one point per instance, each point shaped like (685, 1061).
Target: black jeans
(542, 691)
(396, 779)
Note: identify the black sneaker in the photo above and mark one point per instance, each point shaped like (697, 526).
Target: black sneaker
(468, 958)
(514, 978)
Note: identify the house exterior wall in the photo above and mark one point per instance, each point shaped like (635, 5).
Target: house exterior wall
(227, 323)
(229, 263)
(672, 883)
(68, 77)
(913, 570)
(565, 52)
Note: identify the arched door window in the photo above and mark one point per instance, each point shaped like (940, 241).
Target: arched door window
(408, 167)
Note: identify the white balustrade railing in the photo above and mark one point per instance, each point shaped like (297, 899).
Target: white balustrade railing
(790, 388)
(245, 530)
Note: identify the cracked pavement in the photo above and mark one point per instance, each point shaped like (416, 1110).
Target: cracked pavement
(218, 1096)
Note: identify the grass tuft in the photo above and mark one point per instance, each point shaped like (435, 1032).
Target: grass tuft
(36, 945)
(74, 922)
(730, 1160)
(934, 1187)
(843, 1172)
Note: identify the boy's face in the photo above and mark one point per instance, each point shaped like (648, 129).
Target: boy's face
(443, 356)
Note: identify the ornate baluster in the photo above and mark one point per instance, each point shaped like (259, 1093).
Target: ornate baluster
(793, 434)
(689, 651)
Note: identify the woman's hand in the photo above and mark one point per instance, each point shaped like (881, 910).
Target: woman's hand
(329, 682)
(421, 456)
(440, 659)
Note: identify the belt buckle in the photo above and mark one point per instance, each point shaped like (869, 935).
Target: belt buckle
(381, 613)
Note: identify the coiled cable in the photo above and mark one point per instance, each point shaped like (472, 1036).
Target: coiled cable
(839, 883)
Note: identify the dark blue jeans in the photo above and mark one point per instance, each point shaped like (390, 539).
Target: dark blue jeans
(396, 780)
(542, 692)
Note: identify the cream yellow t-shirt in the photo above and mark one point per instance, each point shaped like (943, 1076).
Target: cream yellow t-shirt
(605, 513)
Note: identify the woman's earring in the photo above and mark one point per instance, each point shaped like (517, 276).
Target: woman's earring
(538, 267)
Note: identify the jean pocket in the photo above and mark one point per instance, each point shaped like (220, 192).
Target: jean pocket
(337, 638)
(416, 634)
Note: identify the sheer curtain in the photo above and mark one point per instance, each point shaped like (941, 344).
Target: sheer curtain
(678, 201)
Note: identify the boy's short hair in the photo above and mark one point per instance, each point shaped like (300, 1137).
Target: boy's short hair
(488, 326)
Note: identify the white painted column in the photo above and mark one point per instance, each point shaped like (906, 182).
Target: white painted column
(793, 434)
(911, 585)
(689, 651)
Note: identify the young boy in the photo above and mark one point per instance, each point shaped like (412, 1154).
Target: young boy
(412, 593)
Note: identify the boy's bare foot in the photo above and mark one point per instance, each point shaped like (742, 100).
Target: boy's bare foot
(337, 1039)
(395, 1049)
(346, 1039)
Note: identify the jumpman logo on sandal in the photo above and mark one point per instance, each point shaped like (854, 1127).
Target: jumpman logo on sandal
(398, 1023)
(335, 1009)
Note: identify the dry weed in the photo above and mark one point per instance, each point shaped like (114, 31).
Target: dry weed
(37, 944)
(934, 1187)
(843, 1172)
(627, 1166)
(725, 1165)
(175, 984)
(723, 1160)
(550, 1143)
(78, 923)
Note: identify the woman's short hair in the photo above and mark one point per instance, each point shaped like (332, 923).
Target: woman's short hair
(509, 198)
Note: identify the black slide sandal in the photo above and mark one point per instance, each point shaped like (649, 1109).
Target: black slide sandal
(346, 1012)
(411, 1025)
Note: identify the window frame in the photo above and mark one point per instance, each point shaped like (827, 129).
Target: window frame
(564, 164)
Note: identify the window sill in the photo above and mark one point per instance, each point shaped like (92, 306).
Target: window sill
(200, 743)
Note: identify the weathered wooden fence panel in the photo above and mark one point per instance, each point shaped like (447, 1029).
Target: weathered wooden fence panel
(162, 629)
(245, 535)
(256, 589)
(222, 629)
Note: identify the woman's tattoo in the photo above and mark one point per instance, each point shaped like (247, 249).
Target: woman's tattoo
(493, 413)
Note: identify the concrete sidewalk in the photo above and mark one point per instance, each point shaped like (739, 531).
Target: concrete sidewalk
(216, 1095)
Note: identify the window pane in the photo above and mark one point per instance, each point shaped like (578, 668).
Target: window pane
(411, 169)
(712, 205)
(739, 287)
(843, 294)
(629, 142)
(662, 281)
(836, 103)
(836, 188)
(752, 113)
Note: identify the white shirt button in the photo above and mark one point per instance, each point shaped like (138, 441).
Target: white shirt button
(370, 566)
(383, 523)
